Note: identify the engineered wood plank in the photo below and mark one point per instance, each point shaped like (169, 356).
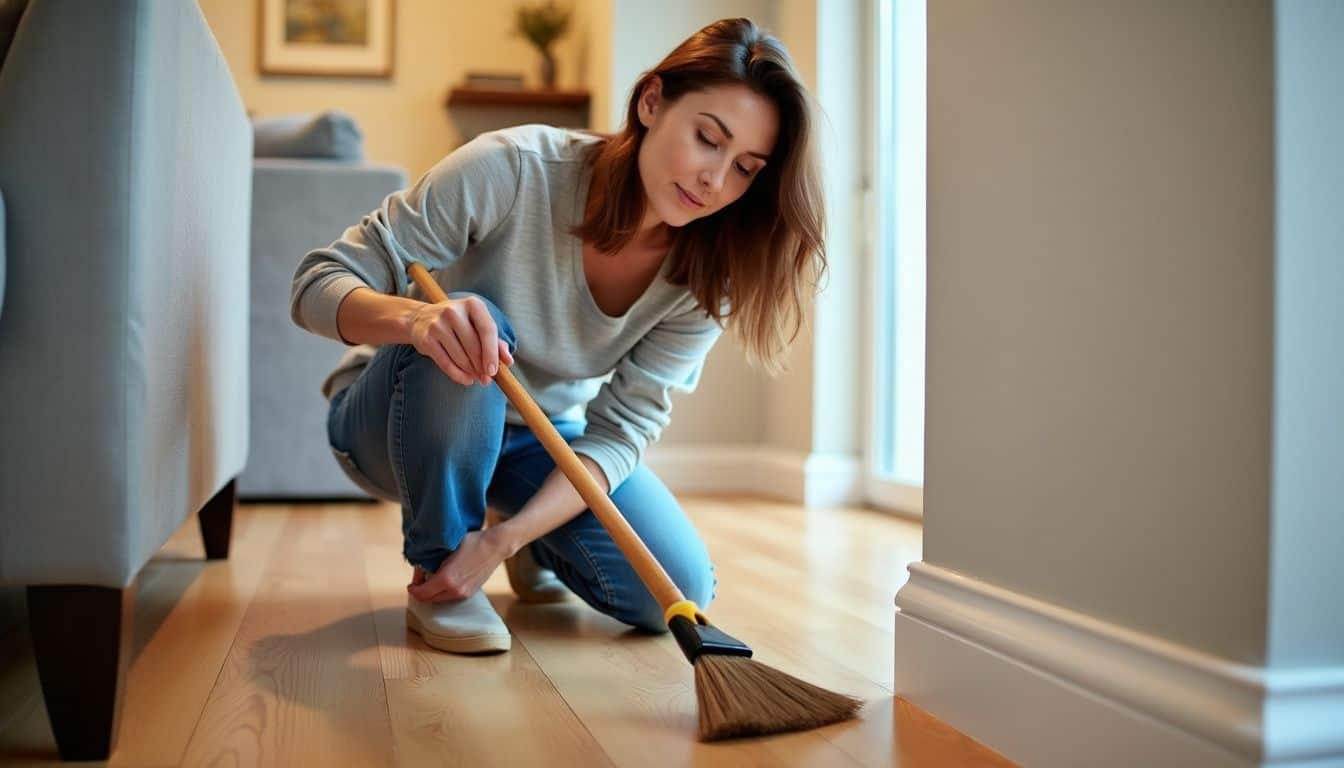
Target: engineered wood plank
(402, 654)
(463, 710)
(25, 733)
(793, 638)
(303, 683)
(820, 536)
(922, 739)
(188, 616)
(818, 548)
(307, 659)
(387, 575)
(808, 633)
(636, 693)
(862, 601)
(782, 602)
(494, 710)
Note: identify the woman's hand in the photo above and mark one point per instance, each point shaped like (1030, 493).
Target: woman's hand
(464, 571)
(460, 336)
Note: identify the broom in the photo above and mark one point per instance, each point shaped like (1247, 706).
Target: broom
(736, 695)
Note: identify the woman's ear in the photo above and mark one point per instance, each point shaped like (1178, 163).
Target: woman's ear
(650, 99)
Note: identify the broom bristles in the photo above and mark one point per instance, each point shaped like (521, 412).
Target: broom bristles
(742, 697)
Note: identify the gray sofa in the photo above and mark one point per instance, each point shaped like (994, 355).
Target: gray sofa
(125, 167)
(299, 203)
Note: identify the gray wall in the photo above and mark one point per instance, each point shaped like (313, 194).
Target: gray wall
(1100, 308)
(1307, 609)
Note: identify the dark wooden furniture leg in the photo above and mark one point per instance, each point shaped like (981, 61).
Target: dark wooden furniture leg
(217, 521)
(81, 639)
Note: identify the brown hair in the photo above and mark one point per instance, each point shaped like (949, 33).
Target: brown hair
(759, 256)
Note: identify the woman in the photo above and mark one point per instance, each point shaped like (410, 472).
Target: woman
(569, 256)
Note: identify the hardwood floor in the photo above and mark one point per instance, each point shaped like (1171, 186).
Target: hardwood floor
(295, 651)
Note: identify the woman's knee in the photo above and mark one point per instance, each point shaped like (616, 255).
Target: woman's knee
(690, 568)
(696, 582)
(646, 615)
(448, 416)
(502, 324)
(419, 373)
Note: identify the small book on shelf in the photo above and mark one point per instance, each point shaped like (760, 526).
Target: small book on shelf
(503, 81)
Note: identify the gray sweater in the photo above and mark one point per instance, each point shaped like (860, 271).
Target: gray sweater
(493, 217)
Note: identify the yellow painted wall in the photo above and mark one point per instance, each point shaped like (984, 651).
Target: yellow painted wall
(403, 118)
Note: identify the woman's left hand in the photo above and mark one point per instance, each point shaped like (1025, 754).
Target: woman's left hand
(464, 571)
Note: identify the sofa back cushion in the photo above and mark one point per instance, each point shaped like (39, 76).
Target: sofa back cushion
(329, 135)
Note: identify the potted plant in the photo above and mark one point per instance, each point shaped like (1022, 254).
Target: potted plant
(541, 24)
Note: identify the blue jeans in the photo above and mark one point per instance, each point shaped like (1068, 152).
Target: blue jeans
(404, 430)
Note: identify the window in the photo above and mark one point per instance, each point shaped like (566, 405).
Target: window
(894, 456)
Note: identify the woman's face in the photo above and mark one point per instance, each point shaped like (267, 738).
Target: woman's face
(702, 151)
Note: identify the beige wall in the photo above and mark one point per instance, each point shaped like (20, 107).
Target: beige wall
(790, 395)
(404, 119)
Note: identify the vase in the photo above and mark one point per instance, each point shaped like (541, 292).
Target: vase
(547, 70)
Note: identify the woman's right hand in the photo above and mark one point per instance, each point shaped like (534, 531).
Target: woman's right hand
(460, 336)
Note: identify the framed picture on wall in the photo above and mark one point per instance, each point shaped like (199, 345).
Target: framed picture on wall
(331, 38)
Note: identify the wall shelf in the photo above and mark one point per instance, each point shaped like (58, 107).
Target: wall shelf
(499, 97)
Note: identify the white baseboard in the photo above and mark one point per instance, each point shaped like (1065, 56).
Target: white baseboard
(817, 480)
(1047, 686)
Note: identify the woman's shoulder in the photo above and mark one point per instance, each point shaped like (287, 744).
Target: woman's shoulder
(502, 154)
(548, 143)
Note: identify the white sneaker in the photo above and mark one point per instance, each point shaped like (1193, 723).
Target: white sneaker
(465, 626)
(530, 582)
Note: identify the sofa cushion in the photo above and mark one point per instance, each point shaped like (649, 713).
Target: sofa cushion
(332, 135)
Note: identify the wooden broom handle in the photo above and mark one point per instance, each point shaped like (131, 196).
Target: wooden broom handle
(650, 571)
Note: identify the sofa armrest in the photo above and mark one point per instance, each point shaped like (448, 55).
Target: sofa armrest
(125, 156)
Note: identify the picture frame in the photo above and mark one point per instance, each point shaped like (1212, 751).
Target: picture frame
(326, 38)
